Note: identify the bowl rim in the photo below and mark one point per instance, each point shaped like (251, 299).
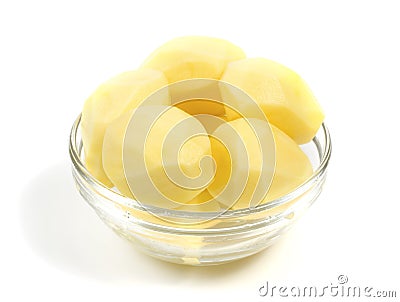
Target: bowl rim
(123, 201)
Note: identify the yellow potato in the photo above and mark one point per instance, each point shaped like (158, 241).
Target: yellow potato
(197, 96)
(111, 99)
(169, 147)
(193, 57)
(112, 153)
(244, 163)
(282, 94)
(195, 107)
(204, 202)
(292, 165)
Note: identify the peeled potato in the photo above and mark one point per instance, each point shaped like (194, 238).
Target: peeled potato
(197, 96)
(244, 167)
(111, 99)
(112, 153)
(193, 57)
(292, 165)
(167, 146)
(204, 202)
(195, 107)
(282, 94)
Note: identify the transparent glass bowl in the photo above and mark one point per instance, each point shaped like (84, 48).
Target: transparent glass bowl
(232, 235)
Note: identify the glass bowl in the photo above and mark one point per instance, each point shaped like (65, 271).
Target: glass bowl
(195, 238)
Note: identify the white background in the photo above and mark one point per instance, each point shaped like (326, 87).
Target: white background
(54, 54)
